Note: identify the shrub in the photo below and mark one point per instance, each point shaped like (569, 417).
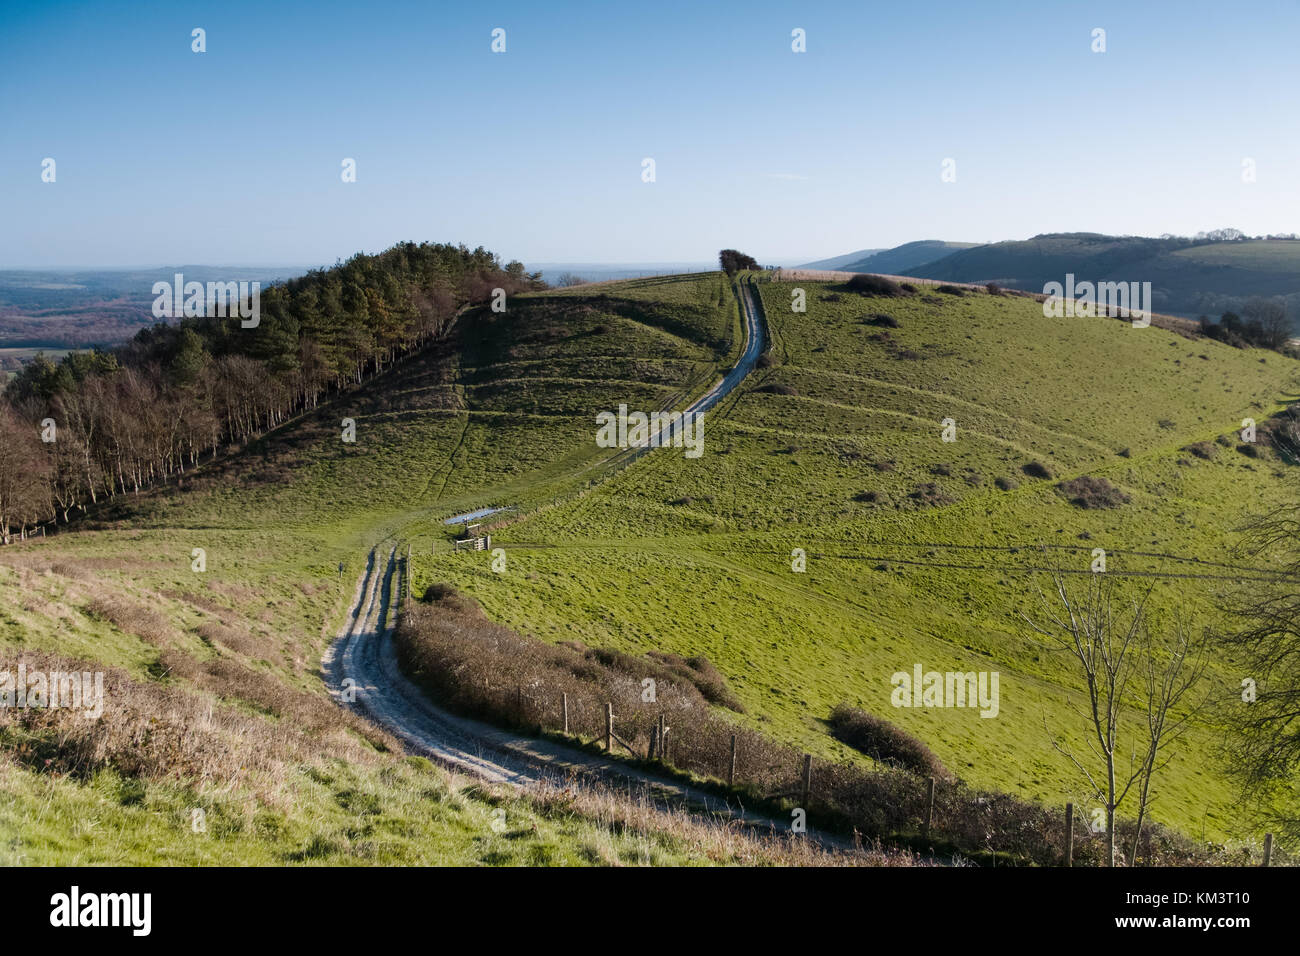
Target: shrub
(882, 741)
(1006, 484)
(930, 495)
(1036, 469)
(880, 319)
(778, 388)
(875, 285)
(1089, 492)
(1203, 449)
(867, 497)
(765, 360)
(951, 289)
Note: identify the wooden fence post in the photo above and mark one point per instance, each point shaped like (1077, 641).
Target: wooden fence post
(1268, 848)
(564, 706)
(929, 808)
(807, 779)
(1069, 834)
(654, 741)
(731, 771)
(609, 728)
(519, 704)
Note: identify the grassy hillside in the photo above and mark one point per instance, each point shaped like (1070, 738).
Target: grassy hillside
(916, 555)
(900, 260)
(839, 262)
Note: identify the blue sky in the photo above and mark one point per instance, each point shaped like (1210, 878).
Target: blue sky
(165, 156)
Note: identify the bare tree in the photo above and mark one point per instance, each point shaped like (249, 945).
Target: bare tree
(1268, 321)
(1123, 664)
(1265, 730)
(1172, 668)
(24, 475)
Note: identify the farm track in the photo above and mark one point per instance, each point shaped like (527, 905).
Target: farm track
(361, 671)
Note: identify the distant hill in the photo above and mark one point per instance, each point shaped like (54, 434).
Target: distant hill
(836, 263)
(902, 259)
(1189, 277)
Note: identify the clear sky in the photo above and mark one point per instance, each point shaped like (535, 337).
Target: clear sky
(165, 156)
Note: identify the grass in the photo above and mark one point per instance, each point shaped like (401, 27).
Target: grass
(694, 557)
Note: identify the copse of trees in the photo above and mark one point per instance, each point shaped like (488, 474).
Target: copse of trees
(123, 420)
(1264, 323)
(733, 261)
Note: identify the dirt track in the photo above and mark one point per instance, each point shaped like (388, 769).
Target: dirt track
(362, 672)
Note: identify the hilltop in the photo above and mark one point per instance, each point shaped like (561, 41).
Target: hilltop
(900, 260)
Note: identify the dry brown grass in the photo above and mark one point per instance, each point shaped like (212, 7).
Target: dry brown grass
(236, 639)
(146, 624)
(720, 840)
(165, 731)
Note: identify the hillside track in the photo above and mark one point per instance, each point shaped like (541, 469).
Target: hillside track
(362, 672)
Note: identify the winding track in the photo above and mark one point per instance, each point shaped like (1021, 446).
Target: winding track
(361, 671)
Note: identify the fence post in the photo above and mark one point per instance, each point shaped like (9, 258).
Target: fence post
(1268, 848)
(654, 740)
(807, 779)
(1069, 834)
(929, 807)
(609, 728)
(663, 738)
(519, 704)
(564, 705)
(731, 771)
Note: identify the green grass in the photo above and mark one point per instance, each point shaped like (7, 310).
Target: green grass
(694, 556)
(336, 814)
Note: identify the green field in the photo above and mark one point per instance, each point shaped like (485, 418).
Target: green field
(694, 556)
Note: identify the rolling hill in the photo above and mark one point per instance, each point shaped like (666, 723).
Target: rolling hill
(900, 260)
(840, 262)
(1188, 279)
